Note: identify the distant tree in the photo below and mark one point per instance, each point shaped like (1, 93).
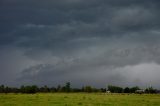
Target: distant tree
(126, 90)
(22, 89)
(15, 90)
(96, 90)
(53, 89)
(102, 90)
(7, 89)
(87, 89)
(150, 90)
(29, 89)
(46, 89)
(115, 89)
(133, 89)
(59, 88)
(76, 90)
(34, 89)
(2, 89)
(68, 87)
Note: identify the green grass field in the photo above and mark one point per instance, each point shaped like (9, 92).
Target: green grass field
(79, 99)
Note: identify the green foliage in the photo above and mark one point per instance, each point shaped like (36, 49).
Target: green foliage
(133, 89)
(29, 89)
(44, 89)
(87, 89)
(115, 89)
(126, 90)
(150, 90)
(67, 88)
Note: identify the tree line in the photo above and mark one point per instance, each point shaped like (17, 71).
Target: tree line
(116, 89)
(67, 88)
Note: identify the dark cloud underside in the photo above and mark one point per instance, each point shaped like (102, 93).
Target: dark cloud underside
(94, 42)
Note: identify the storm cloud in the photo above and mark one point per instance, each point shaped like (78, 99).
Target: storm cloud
(86, 42)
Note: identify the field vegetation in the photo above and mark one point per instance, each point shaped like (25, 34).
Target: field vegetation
(79, 99)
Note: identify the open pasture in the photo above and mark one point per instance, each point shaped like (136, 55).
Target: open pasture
(79, 99)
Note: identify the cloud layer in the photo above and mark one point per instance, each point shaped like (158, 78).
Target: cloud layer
(96, 43)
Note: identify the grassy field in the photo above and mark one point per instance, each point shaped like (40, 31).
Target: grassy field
(79, 99)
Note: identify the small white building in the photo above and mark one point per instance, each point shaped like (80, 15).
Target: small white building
(108, 91)
(140, 91)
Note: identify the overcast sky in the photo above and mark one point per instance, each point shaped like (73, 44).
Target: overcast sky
(85, 42)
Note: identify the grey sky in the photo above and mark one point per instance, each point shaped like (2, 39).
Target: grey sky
(86, 42)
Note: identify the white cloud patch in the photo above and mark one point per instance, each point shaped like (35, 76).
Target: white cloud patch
(144, 74)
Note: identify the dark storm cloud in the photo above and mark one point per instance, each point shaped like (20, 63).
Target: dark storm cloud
(79, 40)
(98, 18)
